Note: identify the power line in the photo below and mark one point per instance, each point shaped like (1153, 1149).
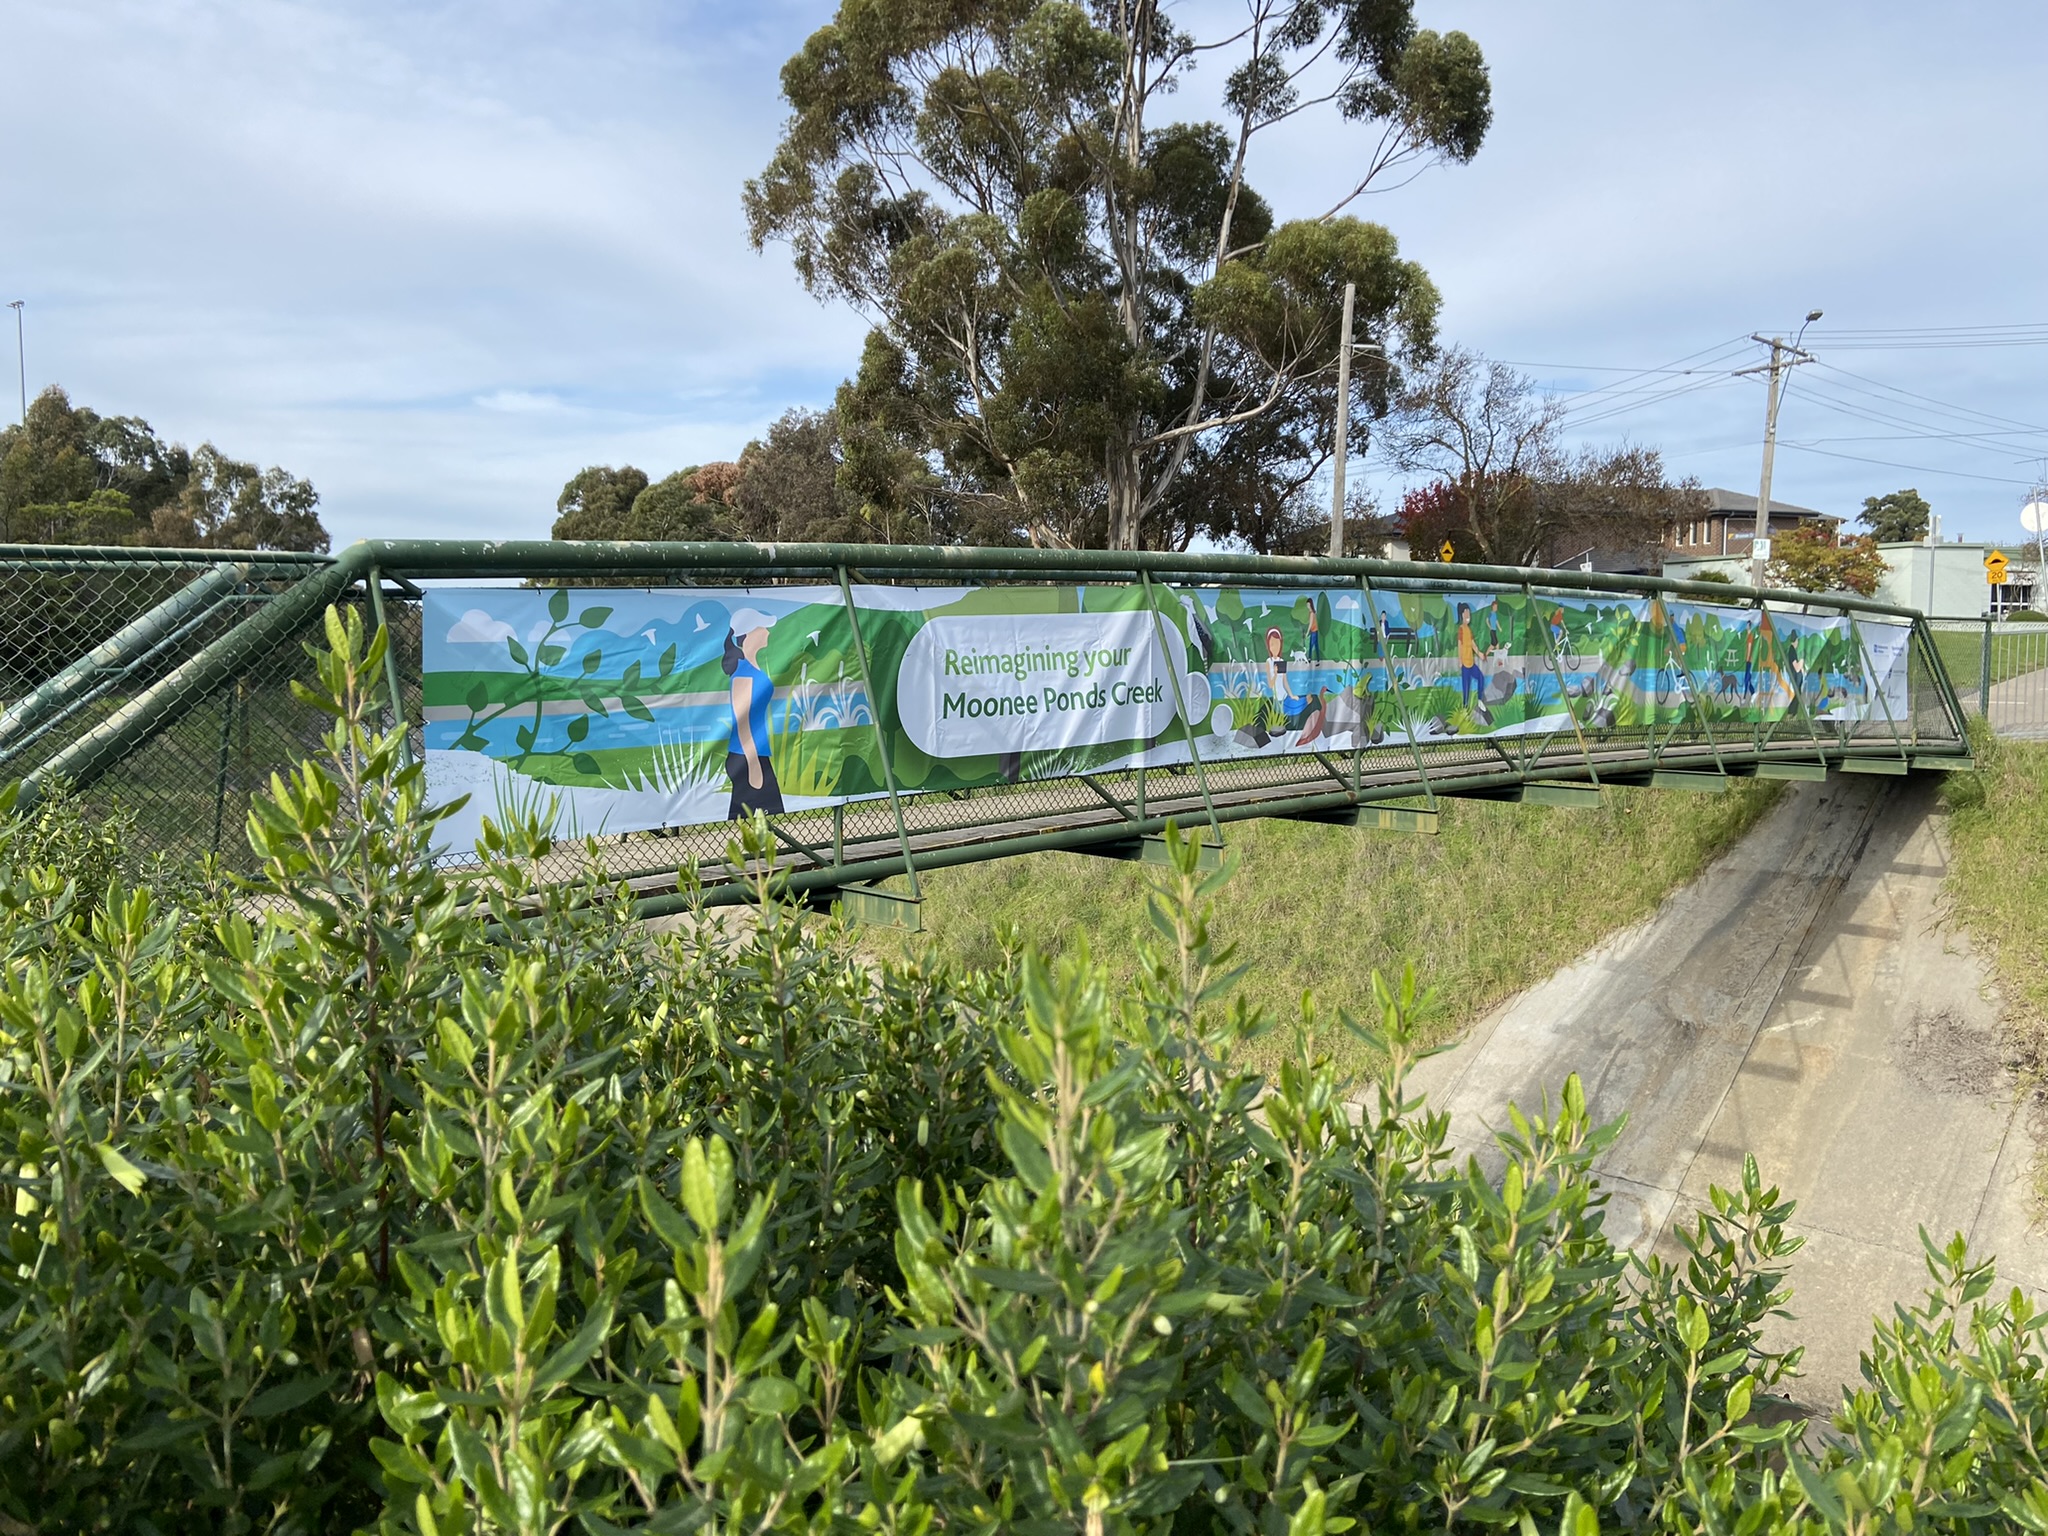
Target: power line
(1964, 412)
(1918, 469)
(1917, 429)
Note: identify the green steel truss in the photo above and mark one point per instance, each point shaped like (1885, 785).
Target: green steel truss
(162, 677)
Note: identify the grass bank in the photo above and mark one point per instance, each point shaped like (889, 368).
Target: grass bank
(1998, 880)
(1504, 895)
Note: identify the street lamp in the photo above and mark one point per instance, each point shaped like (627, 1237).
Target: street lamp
(20, 356)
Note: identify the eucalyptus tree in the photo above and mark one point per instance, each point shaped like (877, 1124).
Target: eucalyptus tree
(1075, 297)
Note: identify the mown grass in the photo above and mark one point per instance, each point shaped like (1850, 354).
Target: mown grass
(1962, 655)
(1998, 877)
(1504, 895)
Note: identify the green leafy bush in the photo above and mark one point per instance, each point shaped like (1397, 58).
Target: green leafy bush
(401, 1199)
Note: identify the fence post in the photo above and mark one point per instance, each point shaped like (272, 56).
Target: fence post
(1984, 675)
(375, 582)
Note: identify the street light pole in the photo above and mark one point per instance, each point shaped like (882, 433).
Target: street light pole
(1784, 355)
(1339, 448)
(1760, 544)
(20, 356)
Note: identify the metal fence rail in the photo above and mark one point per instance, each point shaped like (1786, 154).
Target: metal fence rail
(2000, 671)
(162, 678)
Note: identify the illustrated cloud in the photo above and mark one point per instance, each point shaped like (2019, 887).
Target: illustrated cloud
(478, 628)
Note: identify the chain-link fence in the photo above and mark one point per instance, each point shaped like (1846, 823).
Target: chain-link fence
(2000, 671)
(90, 635)
(162, 678)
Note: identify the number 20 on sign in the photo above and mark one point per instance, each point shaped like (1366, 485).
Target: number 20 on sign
(1994, 568)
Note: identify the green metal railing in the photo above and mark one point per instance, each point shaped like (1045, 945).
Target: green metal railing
(162, 678)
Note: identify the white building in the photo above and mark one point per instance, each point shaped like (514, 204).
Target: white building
(1943, 581)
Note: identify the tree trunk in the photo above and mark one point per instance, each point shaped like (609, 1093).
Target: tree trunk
(1125, 493)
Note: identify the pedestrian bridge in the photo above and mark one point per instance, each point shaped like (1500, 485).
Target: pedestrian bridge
(890, 710)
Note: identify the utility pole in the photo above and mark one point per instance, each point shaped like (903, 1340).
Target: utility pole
(20, 356)
(1784, 355)
(1338, 448)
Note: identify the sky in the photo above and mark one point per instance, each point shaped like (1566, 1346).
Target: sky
(437, 257)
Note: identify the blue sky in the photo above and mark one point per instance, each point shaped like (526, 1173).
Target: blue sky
(439, 256)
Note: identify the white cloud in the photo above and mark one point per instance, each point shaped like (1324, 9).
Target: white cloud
(519, 401)
(477, 627)
(440, 256)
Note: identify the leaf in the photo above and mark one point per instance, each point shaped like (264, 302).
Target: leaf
(558, 605)
(524, 736)
(479, 697)
(636, 709)
(287, 1395)
(592, 660)
(775, 1395)
(119, 1169)
(700, 1195)
(666, 1220)
(518, 651)
(589, 1339)
(583, 762)
(593, 618)
(551, 655)
(906, 1434)
(579, 727)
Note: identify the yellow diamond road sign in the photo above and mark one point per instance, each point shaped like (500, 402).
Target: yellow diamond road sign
(1447, 553)
(1994, 568)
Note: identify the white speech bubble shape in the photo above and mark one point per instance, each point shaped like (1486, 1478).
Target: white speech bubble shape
(975, 684)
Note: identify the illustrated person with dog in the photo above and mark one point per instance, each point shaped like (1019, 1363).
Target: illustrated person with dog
(1304, 715)
(747, 762)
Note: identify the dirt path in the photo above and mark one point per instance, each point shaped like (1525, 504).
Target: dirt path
(1803, 1001)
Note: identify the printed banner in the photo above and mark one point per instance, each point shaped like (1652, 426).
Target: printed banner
(632, 709)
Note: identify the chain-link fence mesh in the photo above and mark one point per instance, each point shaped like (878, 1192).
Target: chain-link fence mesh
(87, 634)
(1999, 669)
(92, 637)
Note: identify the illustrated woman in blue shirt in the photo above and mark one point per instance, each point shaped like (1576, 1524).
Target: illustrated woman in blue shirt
(746, 755)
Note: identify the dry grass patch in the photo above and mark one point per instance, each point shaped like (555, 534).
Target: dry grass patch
(1503, 896)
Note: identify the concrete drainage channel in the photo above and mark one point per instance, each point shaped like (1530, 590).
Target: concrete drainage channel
(1803, 1000)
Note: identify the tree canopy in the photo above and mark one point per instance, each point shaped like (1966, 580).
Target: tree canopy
(1899, 517)
(1084, 315)
(71, 476)
(1812, 559)
(1505, 489)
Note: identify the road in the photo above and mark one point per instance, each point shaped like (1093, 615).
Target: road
(1803, 1000)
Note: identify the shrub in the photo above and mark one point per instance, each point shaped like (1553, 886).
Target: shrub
(411, 1200)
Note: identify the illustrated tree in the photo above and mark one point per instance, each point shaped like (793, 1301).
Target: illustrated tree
(1811, 559)
(1075, 302)
(536, 684)
(1898, 517)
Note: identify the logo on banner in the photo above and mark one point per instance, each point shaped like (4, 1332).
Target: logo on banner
(973, 684)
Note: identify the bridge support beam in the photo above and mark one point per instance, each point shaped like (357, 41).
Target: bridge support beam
(1148, 850)
(1799, 773)
(1890, 767)
(1375, 818)
(1676, 778)
(870, 906)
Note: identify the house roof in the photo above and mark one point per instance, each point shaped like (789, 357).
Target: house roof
(1719, 500)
